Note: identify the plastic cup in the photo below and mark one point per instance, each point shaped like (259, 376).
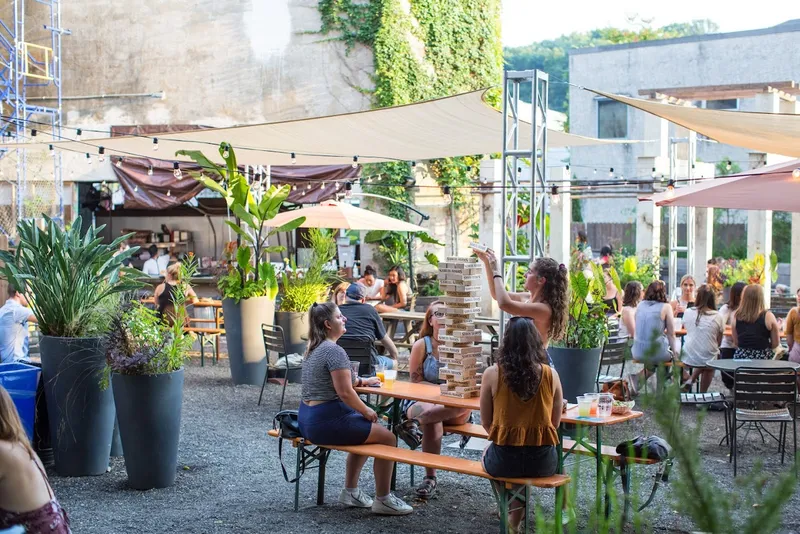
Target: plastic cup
(593, 398)
(584, 406)
(389, 376)
(379, 369)
(605, 402)
(354, 366)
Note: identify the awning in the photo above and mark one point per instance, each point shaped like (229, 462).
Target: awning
(768, 188)
(459, 125)
(773, 133)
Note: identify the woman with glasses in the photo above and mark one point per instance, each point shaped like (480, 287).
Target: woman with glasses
(545, 297)
(423, 422)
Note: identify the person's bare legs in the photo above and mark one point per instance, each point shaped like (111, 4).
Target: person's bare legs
(432, 418)
(705, 379)
(383, 468)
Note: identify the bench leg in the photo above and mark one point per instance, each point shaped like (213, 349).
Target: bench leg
(300, 451)
(625, 478)
(559, 510)
(323, 460)
(202, 352)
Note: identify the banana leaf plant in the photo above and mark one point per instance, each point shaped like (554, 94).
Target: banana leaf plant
(587, 326)
(254, 275)
(69, 279)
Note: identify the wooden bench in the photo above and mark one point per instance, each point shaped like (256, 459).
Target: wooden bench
(619, 461)
(505, 492)
(201, 333)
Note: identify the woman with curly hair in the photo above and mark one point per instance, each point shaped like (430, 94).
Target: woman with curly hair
(521, 399)
(545, 300)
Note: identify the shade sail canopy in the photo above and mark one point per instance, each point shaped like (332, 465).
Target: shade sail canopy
(459, 125)
(339, 215)
(774, 133)
(767, 188)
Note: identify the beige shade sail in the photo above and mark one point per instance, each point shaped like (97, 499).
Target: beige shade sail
(768, 188)
(459, 125)
(338, 215)
(773, 133)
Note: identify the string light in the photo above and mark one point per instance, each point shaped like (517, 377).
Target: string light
(348, 190)
(653, 174)
(796, 174)
(294, 188)
(78, 135)
(308, 187)
(225, 153)
(88, 158)
(135, 188)
(555, 198)
(446, 195)
(355, 162)
(594, 171)
(611, 172)
(671, 189)
(52, 151)
(176, 171)
(323, 185)
(169, 193)
(294, 158)
(155, 143)
(567, 167)
(33, 133)
(150, 170)
(102, 157)
(338, 186)
(119, 163)
(413, 164)
(728, 165)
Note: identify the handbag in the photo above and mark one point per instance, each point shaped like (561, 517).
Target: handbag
(287, 423)
(618, 389)
(652, 448)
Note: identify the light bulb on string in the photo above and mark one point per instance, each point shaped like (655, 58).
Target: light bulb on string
(796, 174)
(155, 143)
(294, 188)
(338, 186)
(293, 158)
(653, 174)
(176, 171)
(150, 170)
(555, 198)
(413, 164)
(135, 188)
(302, 193)
(671, 189)
(88, 158)
(308, 187)
(348, 190)
(169, 193)
(78, 134)
(567, 167)
(446, 195)
(33, 133)
(323, 184)
(119, 163)
(594, 171)
(102, 157)
(728, 165)
(52, 151)
(611, 172)
(225, 153)
(355, 162)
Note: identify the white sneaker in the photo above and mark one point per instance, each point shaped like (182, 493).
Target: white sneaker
(357, 499)
(391, 506)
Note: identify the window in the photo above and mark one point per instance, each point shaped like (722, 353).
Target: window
(612, 119)
(726, 104)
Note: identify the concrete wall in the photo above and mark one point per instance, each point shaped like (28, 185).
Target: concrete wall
(748, 57)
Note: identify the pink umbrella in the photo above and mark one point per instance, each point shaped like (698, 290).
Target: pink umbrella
(776, 187)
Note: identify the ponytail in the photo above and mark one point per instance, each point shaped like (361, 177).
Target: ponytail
(555, 294)
(317, 333)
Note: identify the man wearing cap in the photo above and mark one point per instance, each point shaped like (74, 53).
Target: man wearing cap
(363, 322)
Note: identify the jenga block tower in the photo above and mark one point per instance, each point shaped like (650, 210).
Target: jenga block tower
(460, 280)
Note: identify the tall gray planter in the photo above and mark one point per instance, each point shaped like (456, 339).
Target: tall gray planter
(246, 352)
(149, 414)
(577, 369)
(295, 328)
(81, 414)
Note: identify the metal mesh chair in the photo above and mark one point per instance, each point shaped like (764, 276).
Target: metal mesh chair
(274, 341)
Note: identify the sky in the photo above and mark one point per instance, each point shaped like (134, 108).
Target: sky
(527, 21)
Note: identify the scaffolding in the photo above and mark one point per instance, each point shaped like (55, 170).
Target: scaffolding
(518, 196)
(27, 66)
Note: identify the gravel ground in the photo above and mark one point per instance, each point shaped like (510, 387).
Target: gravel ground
(230, 480)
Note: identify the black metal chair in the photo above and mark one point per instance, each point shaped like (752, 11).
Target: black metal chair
(362, 351)
(770, 387)
(615, 352)
(274, 341)
(494, 345)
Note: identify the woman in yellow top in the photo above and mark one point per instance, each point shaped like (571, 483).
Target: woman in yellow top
(793, 331)
(521, 400)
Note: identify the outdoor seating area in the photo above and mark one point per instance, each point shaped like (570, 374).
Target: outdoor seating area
(373, 267)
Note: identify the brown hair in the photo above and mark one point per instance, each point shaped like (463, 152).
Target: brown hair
(338, 290)
(427, 328)
(735, 297)
(704, 301)
(555, 294)
(317, 316)
(633, 293)
(752, 306)
(521, 357)
(11, 429)
(656, 291)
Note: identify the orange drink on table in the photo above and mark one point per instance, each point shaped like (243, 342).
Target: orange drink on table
(380, 375)
(594, 398)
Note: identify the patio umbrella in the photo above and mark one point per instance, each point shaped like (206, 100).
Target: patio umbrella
(338, 215)
(776, 187)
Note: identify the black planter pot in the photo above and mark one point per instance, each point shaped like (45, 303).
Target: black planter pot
(577, 369)
(116, 441)
(295, 328)
(81, 415)
(149, 414)
(246, 353)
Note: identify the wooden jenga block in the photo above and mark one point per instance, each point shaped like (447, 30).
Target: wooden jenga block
(467, 389)
(467, 313)
(458, 375)
(444, 388)
(459, 300)
(461, 259)
(458, 286)
(456, 268)
(462, 351)
(455, 363)
(467, 395)
(461, 321)
(460, 277)
(478, 247)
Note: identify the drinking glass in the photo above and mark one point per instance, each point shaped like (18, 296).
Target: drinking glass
(593, 398)
(604, 404)
(379, 370)
(389, 376)
(584, 406)
(354, 366)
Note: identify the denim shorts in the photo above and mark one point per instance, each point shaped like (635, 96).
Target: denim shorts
(505, 461)
(387, 362)
(333, 423)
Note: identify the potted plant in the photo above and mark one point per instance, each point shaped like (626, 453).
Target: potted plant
(576, 356)
(74, 283)
(144, 360)
(300, 289)
(634, 270)
(248, 288)
(748, 271)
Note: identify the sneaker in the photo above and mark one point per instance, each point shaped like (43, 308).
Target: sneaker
(357, 499)
(391, 506)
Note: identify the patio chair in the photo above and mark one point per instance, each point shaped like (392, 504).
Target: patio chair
(274, 340)
(769, 387)
(615, 352)
(359, 350)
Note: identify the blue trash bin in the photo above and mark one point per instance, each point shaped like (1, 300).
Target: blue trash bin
(20, 380)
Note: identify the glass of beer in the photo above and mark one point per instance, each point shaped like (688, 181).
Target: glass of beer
(389, 376)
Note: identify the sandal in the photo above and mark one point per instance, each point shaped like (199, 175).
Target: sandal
(410, 433)
(427, 489)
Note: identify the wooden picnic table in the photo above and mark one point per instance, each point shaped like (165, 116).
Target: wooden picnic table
(200, 303)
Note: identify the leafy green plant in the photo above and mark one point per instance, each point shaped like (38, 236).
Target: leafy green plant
(393, 247)
(430, 289)
(301, 289)
(634, 270)
(253, 275)
(587, 326)
(749, 271)
(69, 277)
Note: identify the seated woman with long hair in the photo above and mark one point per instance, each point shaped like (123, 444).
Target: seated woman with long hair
(521, 400)
(793, 331)
(26, 498)
(654, 332)
(754, 329)
(630, 300)
(424, 421)
(164, 294)
(704, 328)
(331, 413)
(395, 291)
